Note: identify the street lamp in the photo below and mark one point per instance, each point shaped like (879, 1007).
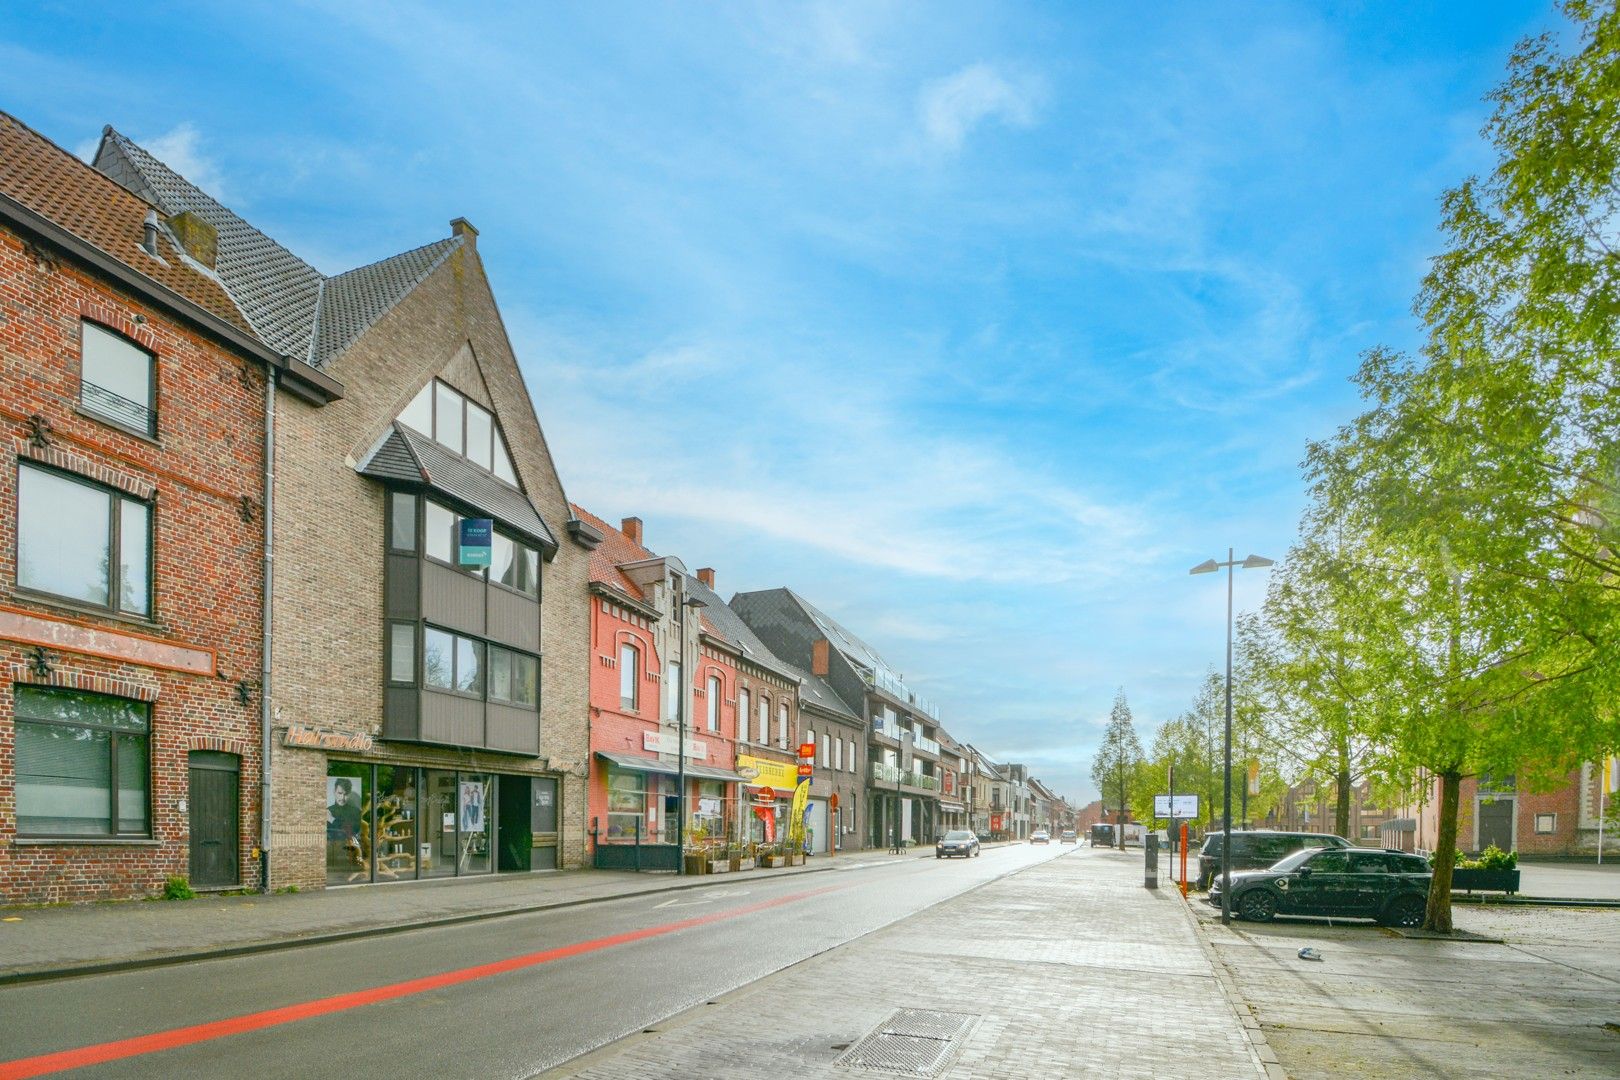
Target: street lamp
(1209, 566)
(690, 603)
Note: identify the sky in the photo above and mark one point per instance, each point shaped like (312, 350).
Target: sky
(975, 324)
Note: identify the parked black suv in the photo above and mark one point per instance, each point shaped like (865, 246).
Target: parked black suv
(1258, 849)
(1389, 886)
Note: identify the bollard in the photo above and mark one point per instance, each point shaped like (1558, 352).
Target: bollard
(1152, 861)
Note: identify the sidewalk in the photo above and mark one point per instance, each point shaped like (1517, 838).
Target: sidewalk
(1378, 1005)
(1069, 968)
(80, 939)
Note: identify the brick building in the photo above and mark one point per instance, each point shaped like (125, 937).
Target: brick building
(1559, 822)
(133, 394)
(902, 782)
(649, 624)
(428, 643)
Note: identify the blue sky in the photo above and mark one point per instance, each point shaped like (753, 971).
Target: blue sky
(977, 324)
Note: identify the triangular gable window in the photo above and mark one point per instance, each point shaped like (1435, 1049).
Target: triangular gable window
(453, 421)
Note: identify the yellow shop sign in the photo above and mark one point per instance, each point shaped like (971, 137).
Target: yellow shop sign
(781, 775)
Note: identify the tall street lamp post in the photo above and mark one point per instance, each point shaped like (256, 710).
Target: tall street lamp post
(691, 603)
(1209, 566)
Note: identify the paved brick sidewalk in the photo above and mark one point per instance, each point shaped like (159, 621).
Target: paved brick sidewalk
(1070, 968)
(54, 939)
(1379, 1005)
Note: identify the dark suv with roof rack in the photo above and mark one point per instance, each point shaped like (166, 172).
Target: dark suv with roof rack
(1256, 849)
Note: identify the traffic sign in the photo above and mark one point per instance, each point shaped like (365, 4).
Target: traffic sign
(832, 801)
(767, 794)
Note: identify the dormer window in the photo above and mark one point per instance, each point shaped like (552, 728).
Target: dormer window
(451, 420)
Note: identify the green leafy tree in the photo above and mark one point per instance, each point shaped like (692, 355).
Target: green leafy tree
(1116, 761)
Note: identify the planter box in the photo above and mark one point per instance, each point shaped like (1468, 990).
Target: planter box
(695, 863)
(1485, 880)
(743, 864)
(772, 861)
(718, 866)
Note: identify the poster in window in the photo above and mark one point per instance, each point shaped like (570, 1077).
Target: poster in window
(344, 795)
(472, 806)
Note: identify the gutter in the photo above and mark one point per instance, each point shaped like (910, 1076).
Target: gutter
(304, 381)
(265, 713)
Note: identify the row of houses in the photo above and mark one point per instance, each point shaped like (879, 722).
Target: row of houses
(292, 594)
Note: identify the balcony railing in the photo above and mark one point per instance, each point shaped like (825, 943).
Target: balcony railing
(890, 683)
(115, 407)
(891, 774)
(925, 744)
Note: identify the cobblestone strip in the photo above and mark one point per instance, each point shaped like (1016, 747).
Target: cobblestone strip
(1265, 1057)
(1072, 968)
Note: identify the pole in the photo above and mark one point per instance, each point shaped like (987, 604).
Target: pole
(1226, 823)
(1604, 770)
(680, 742)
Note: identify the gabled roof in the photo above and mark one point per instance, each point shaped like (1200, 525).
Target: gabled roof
(289, 304)
(275, 289)
(813, 690)
(786, 608)
(615, 548)
(48, 180)
(722, 622)
(352, 301)
(403, 455)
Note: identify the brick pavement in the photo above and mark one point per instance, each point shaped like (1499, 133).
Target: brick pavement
(1071, 969)
(1379, 1005)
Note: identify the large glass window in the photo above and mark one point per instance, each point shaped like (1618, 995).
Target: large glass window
(116, 380)
(438, 659)
(348, 825)
(452, 421)
(627, 805)
(447, 417)
(480, 428)
(82, 764)
(629, 676)
(514, 677)
(713, 696)
(83, 542)
(469, 665)
(515, 565)
(440, 526)
(672, 690)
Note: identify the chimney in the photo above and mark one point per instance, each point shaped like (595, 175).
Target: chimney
(199, 239)
(820, 661)
(706, 575)
(631, 527)
(462, 227)
(149, 234)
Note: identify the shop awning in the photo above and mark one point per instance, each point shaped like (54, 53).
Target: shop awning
(952, 808)
(654, 765)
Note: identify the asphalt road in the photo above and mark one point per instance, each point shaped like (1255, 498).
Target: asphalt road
(505, 998)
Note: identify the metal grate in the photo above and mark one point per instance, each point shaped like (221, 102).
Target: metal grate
(911, 1042)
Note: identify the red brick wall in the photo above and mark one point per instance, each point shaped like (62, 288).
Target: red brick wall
(206, 573)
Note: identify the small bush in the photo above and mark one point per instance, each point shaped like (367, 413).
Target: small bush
(288, 889)
(178, 888)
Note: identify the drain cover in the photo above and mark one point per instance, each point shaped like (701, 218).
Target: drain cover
(911, 1042)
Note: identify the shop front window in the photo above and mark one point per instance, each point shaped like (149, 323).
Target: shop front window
(627, 805)
(396, 850)
(348, 825)
(710, 812)
(472, 823)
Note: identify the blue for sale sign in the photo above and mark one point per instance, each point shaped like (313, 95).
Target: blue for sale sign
(477, 534)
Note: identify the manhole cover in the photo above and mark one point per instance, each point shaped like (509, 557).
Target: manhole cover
(911, 1042)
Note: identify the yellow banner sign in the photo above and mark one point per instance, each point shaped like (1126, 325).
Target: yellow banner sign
(781, 775)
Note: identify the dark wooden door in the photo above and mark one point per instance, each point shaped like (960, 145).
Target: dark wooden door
(215, 819)
(1496, 824)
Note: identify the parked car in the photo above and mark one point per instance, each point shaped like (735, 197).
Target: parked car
(1389, 886)
(957, 842)
(1069, 837)
(1040, 836)
(1102, 836)
(1258, 849)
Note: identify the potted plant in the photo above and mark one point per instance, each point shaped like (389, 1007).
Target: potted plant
(772, 855)
(694, 857)
(1494, 871)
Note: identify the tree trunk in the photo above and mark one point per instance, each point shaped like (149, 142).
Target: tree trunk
(1341, 813)
(1438, 916)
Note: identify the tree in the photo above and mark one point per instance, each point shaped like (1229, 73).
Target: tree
(1117, 758)
(1484, 474)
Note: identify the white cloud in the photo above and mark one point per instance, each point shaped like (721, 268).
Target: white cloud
(952, 107)
(180, 148)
